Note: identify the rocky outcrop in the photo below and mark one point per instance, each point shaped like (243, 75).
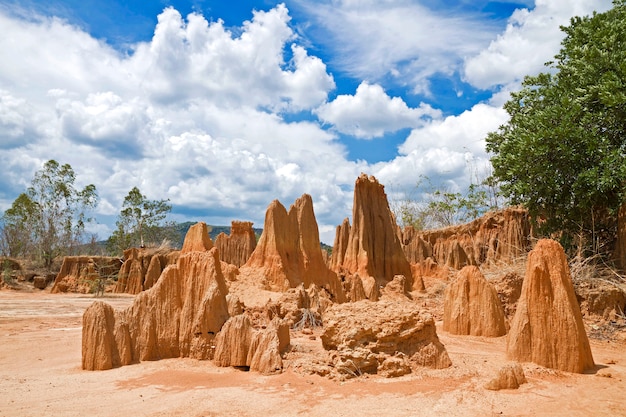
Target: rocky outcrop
(80, 273)
(365, 336)
(509, 377)
(509, 289)
(342, 234)
(601, 297)
(471, 306)
(241, 345)
(547, 328)
(396, 289)
(99, 347)
(497, 236)
(237, 247)
(178, 317)
(142, 267)
(373, 248)
(289, 251)
(353, 285)
(299, 308)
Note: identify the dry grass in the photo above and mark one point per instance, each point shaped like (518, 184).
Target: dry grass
(588, 269)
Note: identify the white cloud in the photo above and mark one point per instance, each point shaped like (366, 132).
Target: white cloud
(398, 38)
(199, 114)
(195, 115)
(193, 59)
(13, 119)
(532, 38)
(106, 121)
(444, 149)
(371, 113)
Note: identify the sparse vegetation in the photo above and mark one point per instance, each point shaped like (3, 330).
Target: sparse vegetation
(440, 206)
(309, 320)
(7, 272)
(140, 222)
(103, 276)
(48, 220)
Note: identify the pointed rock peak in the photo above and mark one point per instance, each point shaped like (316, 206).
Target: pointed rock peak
(276, 205)
(289, 251)
(305, 200)
(237, 247)
(373, 248)
(548, 327)
(472, 307)
(197, 239)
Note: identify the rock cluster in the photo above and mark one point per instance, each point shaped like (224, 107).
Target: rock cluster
(547, 328)
(78, 273)
(179, 316)
(387, 337)
(237, 247)
(471, 306)
(235, 302)
(370, 248)
(289, 251)
(142, 268)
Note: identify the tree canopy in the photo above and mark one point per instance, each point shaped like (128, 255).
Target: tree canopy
(48, 220)
(562, 153)
(141, 220)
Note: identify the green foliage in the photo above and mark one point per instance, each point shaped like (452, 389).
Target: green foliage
(140, 221)
(562, 152)
(7, 272)
(48, 220)
(440, 207)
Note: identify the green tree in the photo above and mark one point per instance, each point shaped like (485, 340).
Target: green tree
(140, 221)
(440, 207)
(48, 220)
(562, 152)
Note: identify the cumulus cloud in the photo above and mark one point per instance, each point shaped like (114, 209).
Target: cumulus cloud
(194, 115)
(106, 121)
(371, 113)
(212, 118)
(445, 150)
(195, 58)
(532, 38)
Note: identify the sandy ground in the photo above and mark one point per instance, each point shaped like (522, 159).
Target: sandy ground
(41, 375)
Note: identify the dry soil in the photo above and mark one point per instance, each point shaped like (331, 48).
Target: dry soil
(41, 375)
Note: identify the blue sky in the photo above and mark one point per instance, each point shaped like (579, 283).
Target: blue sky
(222, 107)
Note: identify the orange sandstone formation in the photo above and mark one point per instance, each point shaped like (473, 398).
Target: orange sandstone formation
(142, 268)
(237, 247)
(179, 316)
(340, 245)
(383, 336)
(289, 251)
(547, 328)
(372, 248)
(78, 272)
(240, 345)
(471, 306)
(497, 236)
